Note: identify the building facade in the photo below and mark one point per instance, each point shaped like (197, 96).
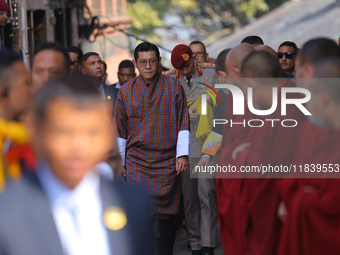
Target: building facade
(93, 25)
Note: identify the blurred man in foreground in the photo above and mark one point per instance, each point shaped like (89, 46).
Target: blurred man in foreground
(67, 208)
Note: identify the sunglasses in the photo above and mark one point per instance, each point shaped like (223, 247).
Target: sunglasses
(288, 55)
(73, 61)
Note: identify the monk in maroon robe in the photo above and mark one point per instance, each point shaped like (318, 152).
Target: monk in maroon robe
(255, 201)
(232, 137)
(311, 206)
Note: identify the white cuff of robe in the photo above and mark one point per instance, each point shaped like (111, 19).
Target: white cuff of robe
(183, 143)
(122, 148)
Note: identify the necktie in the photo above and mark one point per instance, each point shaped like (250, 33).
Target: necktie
(188, 80)
(73, 211)
(74, 242)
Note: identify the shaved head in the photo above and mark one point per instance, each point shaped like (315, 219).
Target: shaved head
(312, 52)
(221, 60)
(261, 64)
(328, 68)
(317, 49)
(267, 49)
(256, 69)
(325, 90)
(328, 72)
(220, 68)
(236, 56)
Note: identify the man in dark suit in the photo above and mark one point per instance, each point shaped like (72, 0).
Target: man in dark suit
(93, 67)
(126, 72)
(66, 208)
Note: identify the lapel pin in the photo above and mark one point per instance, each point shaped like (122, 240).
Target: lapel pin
(205, 79)
(115, 218)
(109, 97)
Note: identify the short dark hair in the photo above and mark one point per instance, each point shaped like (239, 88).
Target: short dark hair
(198, 42)
(126, 64)
(105, 66)
(87, 55)
(145, 47)
(55, 46)
(78, 89)
(289, 44)
(253, 39)
(317, 49)
(262, 64)
(220, 61)
(7, 59)
(76, 50)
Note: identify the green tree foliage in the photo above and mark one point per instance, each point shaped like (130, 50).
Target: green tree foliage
(148, 14)
(212, 19)
(145, 18)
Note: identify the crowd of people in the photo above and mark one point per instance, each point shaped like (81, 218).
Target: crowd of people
(298, 214)
(89, 168)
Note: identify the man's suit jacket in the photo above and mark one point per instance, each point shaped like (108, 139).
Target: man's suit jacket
(27, 226)
(115, 85)
(2, 47)
(111, 94)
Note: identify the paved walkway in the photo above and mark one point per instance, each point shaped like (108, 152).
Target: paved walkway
(181, 248)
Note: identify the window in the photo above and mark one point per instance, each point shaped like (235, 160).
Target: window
(96, 5)
(120, 7)
(109, 7)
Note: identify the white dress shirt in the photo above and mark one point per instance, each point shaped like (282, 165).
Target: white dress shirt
(118, 86)
(102, 91)
(78, 213)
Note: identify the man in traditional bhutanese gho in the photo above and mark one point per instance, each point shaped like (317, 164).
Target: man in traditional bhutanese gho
(153, 129)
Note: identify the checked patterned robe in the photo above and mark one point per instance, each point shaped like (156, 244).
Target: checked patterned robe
(149, 118)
